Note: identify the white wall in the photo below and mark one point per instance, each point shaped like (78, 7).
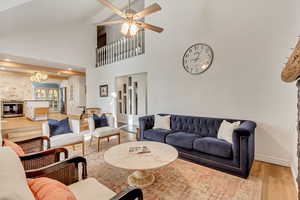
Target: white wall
(250, 40)
(72, 44)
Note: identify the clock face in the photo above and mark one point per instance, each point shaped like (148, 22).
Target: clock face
(198, 58)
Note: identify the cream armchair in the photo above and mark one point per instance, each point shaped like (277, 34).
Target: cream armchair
(69, 139)
(103, 132)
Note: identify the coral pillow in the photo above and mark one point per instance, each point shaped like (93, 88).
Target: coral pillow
(49, 189)
(16, 148)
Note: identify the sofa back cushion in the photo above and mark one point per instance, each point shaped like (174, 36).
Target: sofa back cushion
(202, 126)
(59, 127)
(13, 182)
(100, 121)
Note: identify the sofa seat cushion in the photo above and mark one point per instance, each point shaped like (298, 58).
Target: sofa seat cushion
(158, 134)
(181, 139)
(91, 189)
(213, 146)
(105, 131)
(66, 139)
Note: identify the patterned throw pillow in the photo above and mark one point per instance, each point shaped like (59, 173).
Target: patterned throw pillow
(16, 148)
(49, 189)
(59, 127)
(100, 121)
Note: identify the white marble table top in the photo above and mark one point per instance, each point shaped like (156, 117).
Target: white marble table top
(161, 154)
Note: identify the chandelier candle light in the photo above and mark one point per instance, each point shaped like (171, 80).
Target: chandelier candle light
(39, 77)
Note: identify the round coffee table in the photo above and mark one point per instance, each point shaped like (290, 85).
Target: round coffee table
(161, 155)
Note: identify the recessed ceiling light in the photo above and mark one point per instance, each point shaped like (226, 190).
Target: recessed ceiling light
(70, 69)
(7, 60)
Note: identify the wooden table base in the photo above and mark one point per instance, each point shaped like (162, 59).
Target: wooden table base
(141, 179)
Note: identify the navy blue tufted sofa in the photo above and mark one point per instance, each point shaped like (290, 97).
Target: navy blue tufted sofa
(196, 140)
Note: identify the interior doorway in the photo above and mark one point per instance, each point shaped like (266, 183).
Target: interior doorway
(131, 100)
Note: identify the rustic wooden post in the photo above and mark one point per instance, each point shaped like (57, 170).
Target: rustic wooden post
(290, 73)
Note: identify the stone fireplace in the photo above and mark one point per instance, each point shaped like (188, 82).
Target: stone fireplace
(291, 73)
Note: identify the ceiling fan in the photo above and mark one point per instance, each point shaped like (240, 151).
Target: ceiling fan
(131, 19)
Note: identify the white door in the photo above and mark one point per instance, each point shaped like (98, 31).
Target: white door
(131, 98)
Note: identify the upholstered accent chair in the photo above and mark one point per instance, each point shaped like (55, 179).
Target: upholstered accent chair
(69, 139)
(14, 185)
(104, 132)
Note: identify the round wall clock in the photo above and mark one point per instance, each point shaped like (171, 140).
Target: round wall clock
(198, 58)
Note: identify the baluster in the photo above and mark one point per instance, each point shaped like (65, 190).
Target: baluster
(110, 53)
(100, 56)
(121, 49)
(118, 50)
(97, 58)
(135, 44)
(143, 42)
(139, 42)
(105, 55)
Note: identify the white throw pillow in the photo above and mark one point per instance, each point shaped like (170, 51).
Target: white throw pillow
(163, 122)
(226, 130)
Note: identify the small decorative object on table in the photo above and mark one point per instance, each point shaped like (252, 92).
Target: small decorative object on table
(103, 90)
(139, 150)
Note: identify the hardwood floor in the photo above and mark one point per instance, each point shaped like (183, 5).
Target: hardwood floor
(277, 180)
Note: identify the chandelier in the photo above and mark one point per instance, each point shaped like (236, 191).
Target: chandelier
(39, 77)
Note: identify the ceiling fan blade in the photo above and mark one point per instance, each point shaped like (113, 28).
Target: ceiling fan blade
(150, 27)
(115, 9)
(110, 22)
(147, 11)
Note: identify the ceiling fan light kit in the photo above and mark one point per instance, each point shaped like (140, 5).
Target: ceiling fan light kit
(131, 19)
(129, 29)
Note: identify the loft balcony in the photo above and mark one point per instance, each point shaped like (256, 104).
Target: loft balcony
(121, 49)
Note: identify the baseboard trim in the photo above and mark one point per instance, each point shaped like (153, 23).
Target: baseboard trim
(273, 160)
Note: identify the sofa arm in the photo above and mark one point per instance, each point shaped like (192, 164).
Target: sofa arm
(244, 145)
(66, 171)
(129, 193)
(246, 128)
(145, 123)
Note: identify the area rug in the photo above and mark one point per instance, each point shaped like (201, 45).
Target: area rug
(181, 180)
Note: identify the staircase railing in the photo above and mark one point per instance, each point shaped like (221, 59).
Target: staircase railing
(121, 49)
